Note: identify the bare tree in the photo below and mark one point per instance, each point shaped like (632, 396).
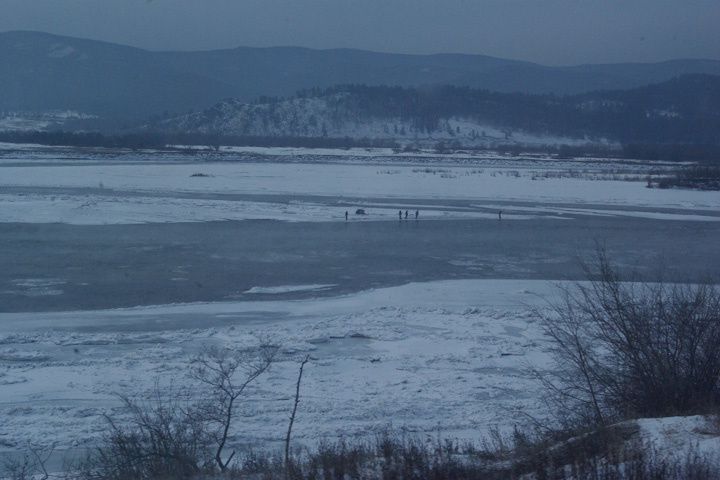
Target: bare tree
(171, 435)
(294, 411)
(227, 373)
(624, 349)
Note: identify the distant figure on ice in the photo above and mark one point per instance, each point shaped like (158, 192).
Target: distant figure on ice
(346, 215)
(417, 212)
(400, 215)
(499, 214)
(406, 214)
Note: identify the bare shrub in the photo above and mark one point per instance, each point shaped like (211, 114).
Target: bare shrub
(625, 350)
(605, 455)
(30, 465)
(388, 457)
(163, 439)
(700, 177)
(630, 462)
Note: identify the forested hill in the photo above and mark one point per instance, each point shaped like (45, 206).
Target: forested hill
(683, 110)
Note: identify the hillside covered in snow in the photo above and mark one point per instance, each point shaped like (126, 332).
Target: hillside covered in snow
(335, 116)
(678, 111)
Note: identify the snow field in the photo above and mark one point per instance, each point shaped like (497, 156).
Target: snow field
(96, 193)
(425, 358)
(341, 180)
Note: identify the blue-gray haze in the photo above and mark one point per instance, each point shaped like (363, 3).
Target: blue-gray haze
(545, 31)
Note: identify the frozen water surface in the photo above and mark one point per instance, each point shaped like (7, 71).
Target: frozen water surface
(118, 267)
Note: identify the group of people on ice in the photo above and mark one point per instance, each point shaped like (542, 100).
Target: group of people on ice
(400, 214)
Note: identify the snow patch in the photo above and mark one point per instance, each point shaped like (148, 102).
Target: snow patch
(289, 289)
(61, 51)
(676, 438)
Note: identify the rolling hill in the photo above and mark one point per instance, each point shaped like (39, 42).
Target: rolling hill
(680, 111)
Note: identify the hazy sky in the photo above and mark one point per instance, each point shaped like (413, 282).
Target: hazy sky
(545, 31)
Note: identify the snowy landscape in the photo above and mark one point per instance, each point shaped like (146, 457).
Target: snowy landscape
(426, 240)
(438, 352)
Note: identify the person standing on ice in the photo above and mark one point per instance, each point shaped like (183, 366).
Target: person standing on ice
(400, 215)
(417, 212)
(499, 214)
(346, 215)
(406, 214)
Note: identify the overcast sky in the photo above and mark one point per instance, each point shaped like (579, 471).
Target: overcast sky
(544, 31)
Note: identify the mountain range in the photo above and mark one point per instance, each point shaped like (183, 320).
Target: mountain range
(42, 72)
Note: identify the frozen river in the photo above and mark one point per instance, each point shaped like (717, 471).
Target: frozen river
(117, 267)
(50, 267)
